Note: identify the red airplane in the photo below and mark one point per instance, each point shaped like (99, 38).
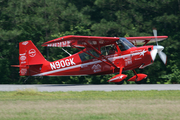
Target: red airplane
(101, 55)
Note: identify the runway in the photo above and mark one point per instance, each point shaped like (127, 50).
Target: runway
(99, 87)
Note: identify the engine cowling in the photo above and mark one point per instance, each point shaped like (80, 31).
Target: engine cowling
(138, 77)
(118, 78)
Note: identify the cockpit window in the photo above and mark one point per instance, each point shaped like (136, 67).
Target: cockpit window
(84, 56)
(105, 50)
(108, 50)
(124, 44)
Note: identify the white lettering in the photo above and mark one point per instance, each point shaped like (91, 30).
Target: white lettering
(62, 63)
(64, 43)
(67, 62)
(52, 66)
(60, 44)
(68, 42)
(22, 54)
(25, 43)
(23, 58)
(23, 62)
(57, 64)
(23, 71)
(96, 68)
(32, 52)
(71, 60)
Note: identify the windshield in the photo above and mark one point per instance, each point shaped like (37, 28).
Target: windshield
(124, 44)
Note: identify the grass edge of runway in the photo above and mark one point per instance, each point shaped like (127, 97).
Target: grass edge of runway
(32, 104)
(34, 94)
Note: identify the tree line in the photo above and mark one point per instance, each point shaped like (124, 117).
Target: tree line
(44, 20)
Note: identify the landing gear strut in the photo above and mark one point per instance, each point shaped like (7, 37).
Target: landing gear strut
(138, 78)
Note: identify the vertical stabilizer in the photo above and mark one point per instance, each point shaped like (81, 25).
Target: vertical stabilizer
(30, 58)
(29, 54)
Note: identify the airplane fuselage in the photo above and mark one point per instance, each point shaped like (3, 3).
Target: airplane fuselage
(135, 57)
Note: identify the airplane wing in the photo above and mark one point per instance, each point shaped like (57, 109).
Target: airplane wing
(145, 39)
(80, 41)
(84, 41)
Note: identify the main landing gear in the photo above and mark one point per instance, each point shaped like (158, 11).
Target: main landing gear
(137, 78)
(119, 83)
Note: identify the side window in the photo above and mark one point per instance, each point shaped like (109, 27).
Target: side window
(93, 52)
(104, 50)
(124, 44)
(84, 56)
(122, 47)
(108, 50)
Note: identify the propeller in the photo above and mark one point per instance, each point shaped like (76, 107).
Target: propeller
(158, 49)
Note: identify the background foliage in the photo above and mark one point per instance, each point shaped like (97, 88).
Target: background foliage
(43, 20)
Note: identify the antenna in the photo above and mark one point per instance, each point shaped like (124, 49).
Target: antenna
(66, 51)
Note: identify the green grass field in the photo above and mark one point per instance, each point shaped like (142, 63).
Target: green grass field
(90, 105)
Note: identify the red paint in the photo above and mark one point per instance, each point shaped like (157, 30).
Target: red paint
(138, 77)
(118, 78)
(93, 60)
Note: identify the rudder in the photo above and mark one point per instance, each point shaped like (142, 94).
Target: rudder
(29, 54)
(30, 59)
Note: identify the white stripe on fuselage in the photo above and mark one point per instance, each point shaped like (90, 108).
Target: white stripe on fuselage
(89, 63)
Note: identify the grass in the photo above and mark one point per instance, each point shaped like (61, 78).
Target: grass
(97, 105)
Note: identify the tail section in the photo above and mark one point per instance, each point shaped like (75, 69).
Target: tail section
(29, 54)
(30, 59)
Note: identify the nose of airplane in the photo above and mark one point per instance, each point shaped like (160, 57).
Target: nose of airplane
(159, 48)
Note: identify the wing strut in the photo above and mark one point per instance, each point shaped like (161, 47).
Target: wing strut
(108, 61)
(146, 41)
(91, 55)
(119, 77)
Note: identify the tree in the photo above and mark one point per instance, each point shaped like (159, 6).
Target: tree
(42, 20)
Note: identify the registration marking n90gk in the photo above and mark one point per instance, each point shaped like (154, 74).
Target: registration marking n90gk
(62, 63)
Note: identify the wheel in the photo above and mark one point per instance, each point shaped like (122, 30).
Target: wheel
(141, 82)
(120, 83)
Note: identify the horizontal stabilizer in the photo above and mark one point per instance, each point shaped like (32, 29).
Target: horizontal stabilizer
(25, 65)
(18, 65)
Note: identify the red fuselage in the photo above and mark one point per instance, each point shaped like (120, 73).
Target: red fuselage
(135, 57)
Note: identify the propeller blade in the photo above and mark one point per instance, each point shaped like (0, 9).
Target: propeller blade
(155, 35)
(158, 49)
(153, 54)
(155, 32)
(163, 56)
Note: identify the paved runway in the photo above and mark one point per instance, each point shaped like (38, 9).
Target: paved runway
(100, 87)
